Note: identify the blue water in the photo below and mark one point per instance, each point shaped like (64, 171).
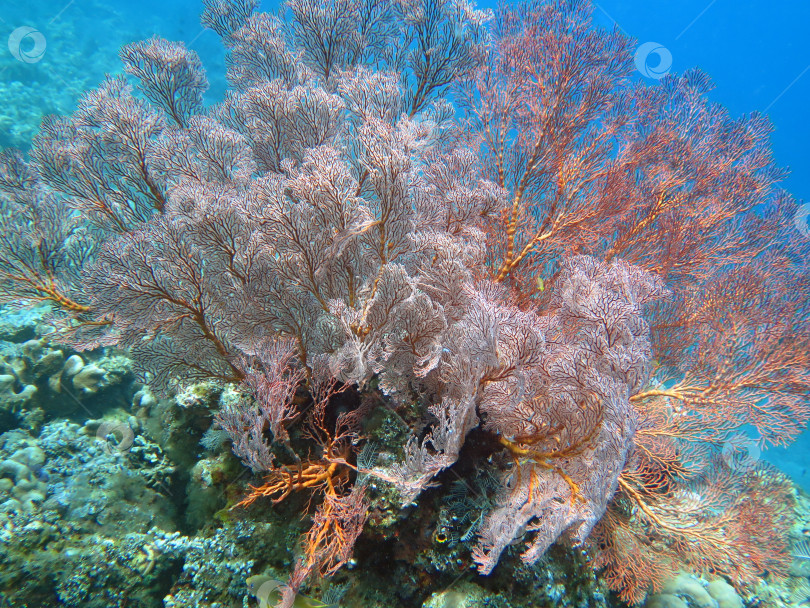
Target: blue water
(756, 51)
(758, 56)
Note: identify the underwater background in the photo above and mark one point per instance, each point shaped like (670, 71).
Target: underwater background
(757, 54)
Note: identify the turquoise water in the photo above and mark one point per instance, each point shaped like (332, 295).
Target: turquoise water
(755, 52)
(270, 339)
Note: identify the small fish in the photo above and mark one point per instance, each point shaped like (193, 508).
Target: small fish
(267, 590)
(541, 285)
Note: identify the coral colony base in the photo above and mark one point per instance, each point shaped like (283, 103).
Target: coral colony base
(436, 308)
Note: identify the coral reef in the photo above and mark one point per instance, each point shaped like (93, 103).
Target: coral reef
(464, 595)
(72, 500)
(688, 591)
(428, 295)
(21, 484)
(41, 380)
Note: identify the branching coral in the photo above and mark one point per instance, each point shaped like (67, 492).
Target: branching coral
(594, 274)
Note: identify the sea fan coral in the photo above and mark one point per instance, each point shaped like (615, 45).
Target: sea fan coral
(494, 225)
